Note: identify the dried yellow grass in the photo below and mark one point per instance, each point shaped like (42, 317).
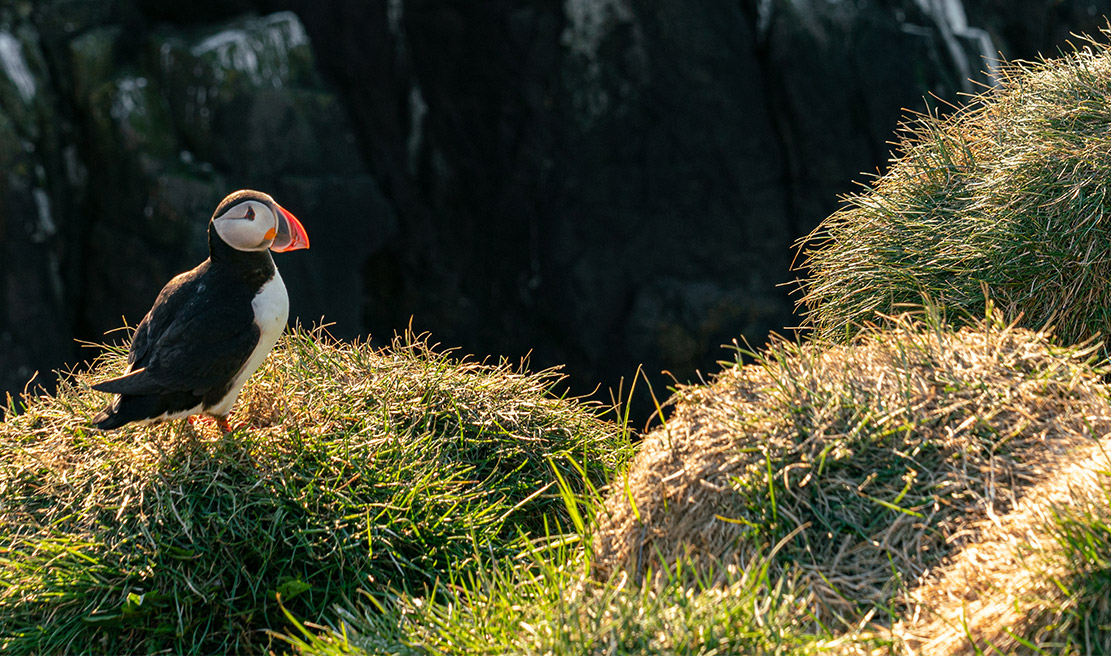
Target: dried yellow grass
(1001, 585)
(890, 453)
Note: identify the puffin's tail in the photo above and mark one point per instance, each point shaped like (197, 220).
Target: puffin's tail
(109, 417)
(123, 410)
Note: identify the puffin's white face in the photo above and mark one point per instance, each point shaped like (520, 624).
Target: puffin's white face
(250, 220)
(247, 226)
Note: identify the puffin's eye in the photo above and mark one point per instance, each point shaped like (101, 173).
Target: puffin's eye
(250, 213)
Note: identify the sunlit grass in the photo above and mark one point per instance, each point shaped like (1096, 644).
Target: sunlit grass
(1076, 618)
(1009, 195)
(793, 505)
(359, 470)
(401, 501)
(545, 601)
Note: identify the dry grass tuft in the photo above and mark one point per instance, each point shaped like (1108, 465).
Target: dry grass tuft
(889, 452)
(1010, 588)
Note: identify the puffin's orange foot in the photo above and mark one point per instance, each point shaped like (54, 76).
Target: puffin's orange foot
(221, 422)
(227, 427)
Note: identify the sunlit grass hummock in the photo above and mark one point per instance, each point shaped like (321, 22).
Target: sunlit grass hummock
(869, 462)
(1010, 194)
(358, 470)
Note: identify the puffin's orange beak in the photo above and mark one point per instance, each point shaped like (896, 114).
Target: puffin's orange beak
(291, 234)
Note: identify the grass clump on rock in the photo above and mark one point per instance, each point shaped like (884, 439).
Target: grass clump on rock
(360, 470)
(867, 463)
(1010, 194)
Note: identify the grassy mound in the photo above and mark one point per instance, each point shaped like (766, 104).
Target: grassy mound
(1010, 193)
(867, 463)
(360, 469)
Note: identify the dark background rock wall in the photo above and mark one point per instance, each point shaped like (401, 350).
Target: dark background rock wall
(599, 183)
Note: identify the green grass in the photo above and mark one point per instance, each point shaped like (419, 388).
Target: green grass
(1009, 194)
(1008, 197)
(361, 470)
(788, 507)
(545, 601)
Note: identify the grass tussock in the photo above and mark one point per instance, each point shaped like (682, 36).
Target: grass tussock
(359, 470)
(868, 463)
(915, 491)
(1010, 193)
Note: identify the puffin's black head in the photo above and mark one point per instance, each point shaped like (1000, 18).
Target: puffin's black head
(252, 221)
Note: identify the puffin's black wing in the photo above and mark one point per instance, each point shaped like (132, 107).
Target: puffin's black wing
(169, 305)
(195, 339)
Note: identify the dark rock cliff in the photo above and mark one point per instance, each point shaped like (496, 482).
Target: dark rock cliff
(600, 183)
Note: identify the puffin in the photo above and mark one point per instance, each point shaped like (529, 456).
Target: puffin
(210, 328)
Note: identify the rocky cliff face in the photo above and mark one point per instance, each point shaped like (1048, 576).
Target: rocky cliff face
(600, 182)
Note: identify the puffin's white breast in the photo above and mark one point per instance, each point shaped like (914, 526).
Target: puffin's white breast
(271, 308)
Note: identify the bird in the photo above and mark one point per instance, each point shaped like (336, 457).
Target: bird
(211, 327)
